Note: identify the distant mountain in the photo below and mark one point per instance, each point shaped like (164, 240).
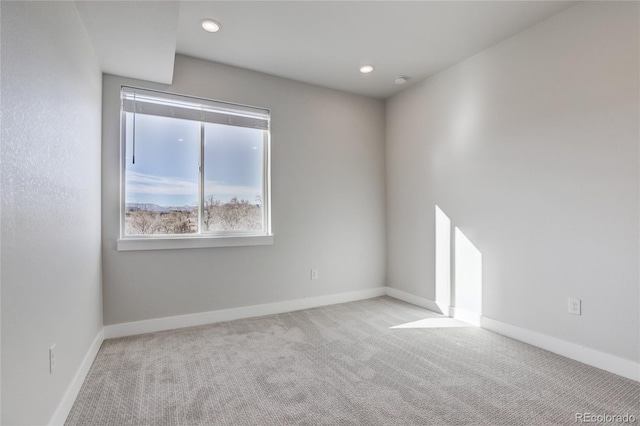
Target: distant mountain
(150, 207)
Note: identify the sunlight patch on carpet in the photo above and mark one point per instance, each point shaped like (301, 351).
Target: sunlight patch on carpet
(434, 323)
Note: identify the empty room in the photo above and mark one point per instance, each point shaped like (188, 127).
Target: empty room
(320, 212)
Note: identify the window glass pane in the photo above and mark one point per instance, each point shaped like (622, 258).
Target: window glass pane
(161, 188)
(233, 178)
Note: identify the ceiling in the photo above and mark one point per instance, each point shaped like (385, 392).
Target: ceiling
(317, 42)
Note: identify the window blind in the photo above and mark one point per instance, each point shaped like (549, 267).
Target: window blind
(142, 101)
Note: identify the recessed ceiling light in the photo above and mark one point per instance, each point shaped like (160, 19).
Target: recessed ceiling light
(210, 25)
(366, 69)
(401, 79)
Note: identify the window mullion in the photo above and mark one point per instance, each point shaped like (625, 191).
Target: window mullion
(201, 205)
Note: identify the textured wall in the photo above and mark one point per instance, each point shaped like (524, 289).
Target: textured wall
(327, 203)
(531, 148)
(51, 292)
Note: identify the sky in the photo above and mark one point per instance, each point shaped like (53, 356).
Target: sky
(167, 154)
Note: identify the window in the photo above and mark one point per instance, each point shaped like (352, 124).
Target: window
(192, 169)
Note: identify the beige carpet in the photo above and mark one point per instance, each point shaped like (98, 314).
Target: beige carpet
(342, 365)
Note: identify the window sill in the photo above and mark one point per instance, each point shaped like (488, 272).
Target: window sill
(133, 244)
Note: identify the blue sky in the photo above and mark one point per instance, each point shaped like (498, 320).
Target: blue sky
(167, 154)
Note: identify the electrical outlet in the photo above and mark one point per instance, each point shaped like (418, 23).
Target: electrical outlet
(314, 274)
(52, 359)
(574, 306)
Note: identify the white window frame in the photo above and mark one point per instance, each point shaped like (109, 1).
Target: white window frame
(210, 111)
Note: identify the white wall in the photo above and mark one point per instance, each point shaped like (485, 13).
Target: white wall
(327, 203)
(531, 149)
(51, 277)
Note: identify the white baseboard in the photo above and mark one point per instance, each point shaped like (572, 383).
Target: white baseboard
(592, 357)
(190, 320)
(418, 301)
(64, 408)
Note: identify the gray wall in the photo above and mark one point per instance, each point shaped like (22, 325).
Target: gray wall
(327, 202)
(531, 148)
(51, 285)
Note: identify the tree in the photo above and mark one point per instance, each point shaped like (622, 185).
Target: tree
(141, 222)
(211, 211)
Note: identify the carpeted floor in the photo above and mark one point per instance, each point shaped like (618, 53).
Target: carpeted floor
(342, 365)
